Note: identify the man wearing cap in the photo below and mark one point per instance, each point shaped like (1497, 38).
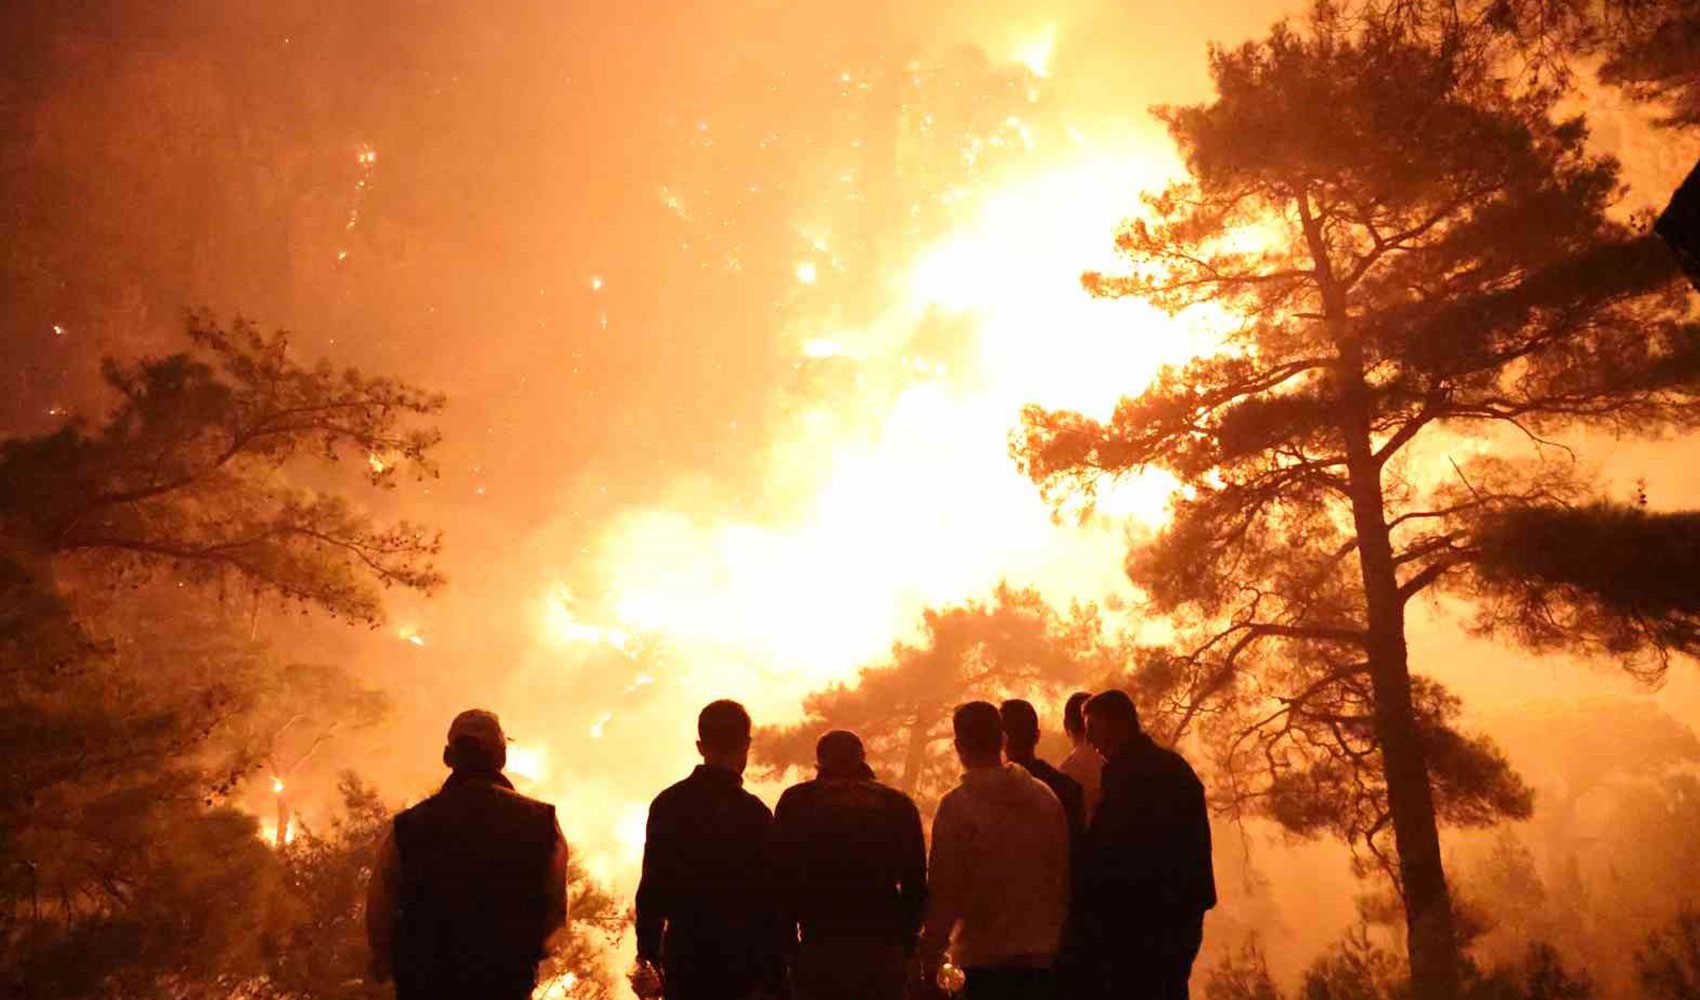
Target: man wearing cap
(708, 923)
(471, 883)
(852, 865)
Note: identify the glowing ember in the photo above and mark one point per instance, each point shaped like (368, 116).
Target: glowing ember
(376, 462)
(277, 785)
(807, 272)
(411, 635)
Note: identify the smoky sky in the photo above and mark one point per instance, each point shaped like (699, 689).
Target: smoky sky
(588, 224)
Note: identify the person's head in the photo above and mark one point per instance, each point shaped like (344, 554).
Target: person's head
(723, 735)
(1074, 716)
(476, 743)
(1020, 728)
(839, 754)
(979, 734)
(1112, 721)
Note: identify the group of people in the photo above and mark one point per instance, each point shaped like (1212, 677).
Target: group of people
(1088, 880)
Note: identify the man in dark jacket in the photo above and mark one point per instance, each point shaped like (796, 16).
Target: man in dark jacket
(471, 883)
(1021, 745)
(852, 863)
(1147, 878)
(706, 913)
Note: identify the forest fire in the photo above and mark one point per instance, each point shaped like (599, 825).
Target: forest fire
(1311, 386)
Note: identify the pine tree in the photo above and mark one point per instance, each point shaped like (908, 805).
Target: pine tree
(1414, 252)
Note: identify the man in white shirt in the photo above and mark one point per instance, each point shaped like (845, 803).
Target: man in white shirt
(998, 873)
(1083, 764)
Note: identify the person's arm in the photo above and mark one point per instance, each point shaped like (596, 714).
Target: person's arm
(381, 897)
(1202, 862)
(912, 873)
(556, 915)
(946, 881)
(654, 893)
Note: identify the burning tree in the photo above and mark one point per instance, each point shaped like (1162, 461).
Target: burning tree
(185, 474)
(129, 710)
(1417, 252)
(1014, 645)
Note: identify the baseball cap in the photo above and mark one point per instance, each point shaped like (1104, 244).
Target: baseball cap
(480, 728)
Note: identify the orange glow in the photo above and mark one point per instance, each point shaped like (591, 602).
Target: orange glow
(277, 786)
(528, 762)
(884, 511)
(268, 831)
(1035, 52)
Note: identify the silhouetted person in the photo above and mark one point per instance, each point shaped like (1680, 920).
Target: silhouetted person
(1083, 763)
(1679, 224)
(999, 869)
(853, 867)
(1148, 878)
(706, 913)
(1021, 745)
(471, 883)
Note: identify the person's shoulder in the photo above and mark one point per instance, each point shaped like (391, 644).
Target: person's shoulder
(797, 796)
(891, 796)
(1055, 776)
(670, 796)
(1034, 787)
(753, 803)
(525, 802)
(1177, 765)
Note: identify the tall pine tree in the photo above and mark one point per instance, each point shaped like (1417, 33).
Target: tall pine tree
(1418, 254)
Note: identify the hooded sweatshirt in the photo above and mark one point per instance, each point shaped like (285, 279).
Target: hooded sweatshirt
(998, 871)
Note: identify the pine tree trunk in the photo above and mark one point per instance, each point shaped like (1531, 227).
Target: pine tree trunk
(1433, 940)
(1435, 960)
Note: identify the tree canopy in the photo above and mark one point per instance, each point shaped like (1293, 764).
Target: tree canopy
(1013, 645)
(187, 473)
(1431, 263)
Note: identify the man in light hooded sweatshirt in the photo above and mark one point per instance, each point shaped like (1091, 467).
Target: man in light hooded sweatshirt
(998, 874)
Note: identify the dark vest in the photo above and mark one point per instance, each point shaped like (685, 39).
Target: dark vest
(1680, 225)
(473, 898)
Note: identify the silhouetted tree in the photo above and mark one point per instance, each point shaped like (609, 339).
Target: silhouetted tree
(1409, 248)
(1648, 48)
(1669, 966)
(136, 697)
(1614, 577)
(1014, 645)
(185, 474)
(1241, 975)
